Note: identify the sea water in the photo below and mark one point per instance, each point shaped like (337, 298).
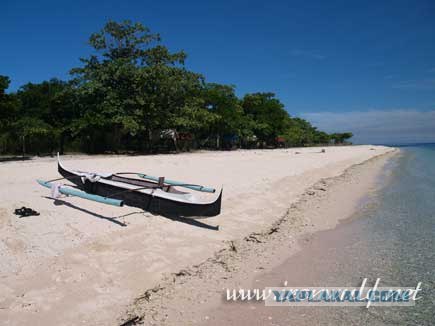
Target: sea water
(392, 237)
(402, 229)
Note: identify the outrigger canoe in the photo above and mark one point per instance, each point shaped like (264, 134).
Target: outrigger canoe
(152, 194)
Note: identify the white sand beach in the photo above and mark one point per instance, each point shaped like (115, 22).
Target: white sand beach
(80, 262)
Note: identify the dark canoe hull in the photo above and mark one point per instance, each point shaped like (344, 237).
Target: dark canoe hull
(153, 204)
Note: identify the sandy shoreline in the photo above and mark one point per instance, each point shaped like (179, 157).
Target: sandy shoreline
(197, 295)
(329, 257)
(84, 263)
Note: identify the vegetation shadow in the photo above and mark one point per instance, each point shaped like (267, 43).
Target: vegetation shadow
(14, 158)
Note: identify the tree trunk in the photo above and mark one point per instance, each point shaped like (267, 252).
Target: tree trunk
(24, 145)
(116, 139)
(149, 140)
(175, 144)
(61, 143)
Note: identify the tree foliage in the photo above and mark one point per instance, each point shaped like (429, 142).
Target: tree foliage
(341, 138)
(268, 115)
(131, 88)
(133, 85)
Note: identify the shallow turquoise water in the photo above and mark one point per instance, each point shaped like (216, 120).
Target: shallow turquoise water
(392, 238)
(405, 219)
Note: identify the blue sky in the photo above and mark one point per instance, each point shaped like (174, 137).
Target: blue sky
(320, 57)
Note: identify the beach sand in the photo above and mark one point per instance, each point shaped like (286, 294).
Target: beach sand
(81, 262)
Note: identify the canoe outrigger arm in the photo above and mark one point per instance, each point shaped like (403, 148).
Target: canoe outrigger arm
(178, 183)
(78, 193)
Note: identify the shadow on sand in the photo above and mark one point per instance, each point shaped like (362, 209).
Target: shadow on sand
(14, 158)
(193, 222)
(59, 202)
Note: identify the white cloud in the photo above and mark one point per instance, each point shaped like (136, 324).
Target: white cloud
(393, 126)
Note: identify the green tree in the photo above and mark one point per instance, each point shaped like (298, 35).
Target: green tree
(133, 85)
(29, 127)
(223, 102)
(46, 112)
(9, 110)
(321, 137)
(4, 84)
(195, 118)
(268, 115)
(341, 138)
(131, 88)
(300, 132)
(8, 104)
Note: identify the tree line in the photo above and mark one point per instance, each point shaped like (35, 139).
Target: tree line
(133, 94)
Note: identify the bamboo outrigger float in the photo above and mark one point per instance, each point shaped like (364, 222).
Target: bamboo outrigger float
(152, 194)
(78, 193)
